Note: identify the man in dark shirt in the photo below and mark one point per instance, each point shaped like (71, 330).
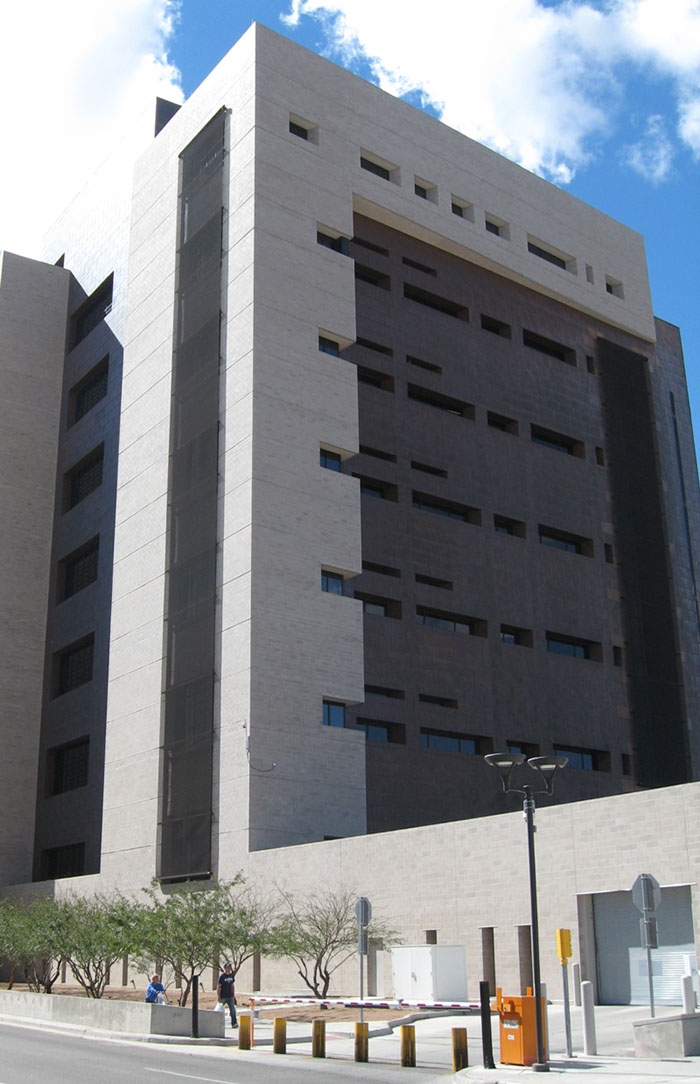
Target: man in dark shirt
(226, 994)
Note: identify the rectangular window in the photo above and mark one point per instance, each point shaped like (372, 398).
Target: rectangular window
(330, 460)
(434, 581)
(437, 701)
(378, 348)
(550, 347)
(333, 713)
(511, 634)
(563, 540)
(373, 378)
(500, 421)
(68, 766)
(83, 479)
(377, 168)
(78, 570)
(527, 749)
(450, 622)
(378, 606)
(382, 570)
(573, 646)
(549, 256)
(92, 311)
(495, 326)
(614, 287)
(434, 301)
(377, 453)
(303, 129)
(441, 402)
(493, 227)
(558, 442)
(417, 266)
(462, 208)
(426, 468)
(504, 525)
(333, 242)
(369, 274)
(377, 730)
(329, 346)
(88, 392)
(419, 363)
(384, 692)
(427, 503)
(586, 760)
(331, 582)
(449, 742)
(373, 487)
(73, 665)
(66, 861)
(370, 246)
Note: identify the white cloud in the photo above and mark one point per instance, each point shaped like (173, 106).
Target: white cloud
(542, 83)
(652, 156)
(76, 77)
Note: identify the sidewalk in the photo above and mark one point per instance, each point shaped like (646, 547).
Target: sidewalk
(615, 1059)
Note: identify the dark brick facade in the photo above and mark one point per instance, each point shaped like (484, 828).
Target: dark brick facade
(498, 458)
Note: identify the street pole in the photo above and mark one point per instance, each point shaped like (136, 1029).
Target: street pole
(529, 810)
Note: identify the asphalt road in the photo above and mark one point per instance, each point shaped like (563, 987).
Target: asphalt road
(31, 1056)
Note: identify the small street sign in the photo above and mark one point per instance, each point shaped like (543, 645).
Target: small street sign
(363, 911)
(646, 893)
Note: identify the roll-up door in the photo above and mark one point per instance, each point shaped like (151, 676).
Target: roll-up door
(618, 956)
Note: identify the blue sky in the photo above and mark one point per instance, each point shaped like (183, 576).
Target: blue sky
(601, 97)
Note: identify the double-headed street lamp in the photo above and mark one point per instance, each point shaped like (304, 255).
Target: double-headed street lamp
(547, 768)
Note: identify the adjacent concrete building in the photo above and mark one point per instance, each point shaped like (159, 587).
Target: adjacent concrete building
(341, 452)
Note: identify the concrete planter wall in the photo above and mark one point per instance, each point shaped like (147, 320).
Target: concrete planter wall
(131, 1017)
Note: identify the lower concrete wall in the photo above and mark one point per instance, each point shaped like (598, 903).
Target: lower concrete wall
(669, 1037)
(131, 1017)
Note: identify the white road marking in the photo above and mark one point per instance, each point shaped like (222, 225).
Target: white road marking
(188, 1076)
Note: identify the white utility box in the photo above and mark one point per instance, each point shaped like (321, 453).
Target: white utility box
(429, 972)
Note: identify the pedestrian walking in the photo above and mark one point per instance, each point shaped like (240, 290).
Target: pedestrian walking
(225, 992)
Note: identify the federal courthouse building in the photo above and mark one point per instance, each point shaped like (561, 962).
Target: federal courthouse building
(338, 451)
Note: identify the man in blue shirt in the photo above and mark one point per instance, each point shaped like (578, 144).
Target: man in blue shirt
(155, 991)
(225, 992)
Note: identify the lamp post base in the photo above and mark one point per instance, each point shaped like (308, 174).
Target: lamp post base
(540, 1067)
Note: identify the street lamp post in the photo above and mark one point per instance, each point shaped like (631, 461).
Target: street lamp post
(546, 767)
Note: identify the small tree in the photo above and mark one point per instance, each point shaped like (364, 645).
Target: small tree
(181, 930)
(29, 938)
(94, 932)
(319, 933)
(246, 924)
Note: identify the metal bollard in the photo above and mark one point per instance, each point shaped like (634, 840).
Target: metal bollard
(408, 1046)
(460, 1054)
(318, 1039)
(279, 1035)
(245, 1032)
(486, 1036)
(589, 1040)
(362, 1042)
(576, 982)
(688, 994)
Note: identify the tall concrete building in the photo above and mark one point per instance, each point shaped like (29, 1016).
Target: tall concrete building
(339, 451)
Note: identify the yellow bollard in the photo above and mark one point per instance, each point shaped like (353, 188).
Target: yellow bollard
(318, 1039)
(408, 1046)
(460, 1054)
(361, 1042)
(279, 1035)
(245, 1032)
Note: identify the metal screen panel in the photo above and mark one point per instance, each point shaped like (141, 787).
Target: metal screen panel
(190, 609)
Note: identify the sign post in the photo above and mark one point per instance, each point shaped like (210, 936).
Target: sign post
(647, 897)
(363, 916)
(564, 954)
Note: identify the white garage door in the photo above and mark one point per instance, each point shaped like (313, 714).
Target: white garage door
(616, 921)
